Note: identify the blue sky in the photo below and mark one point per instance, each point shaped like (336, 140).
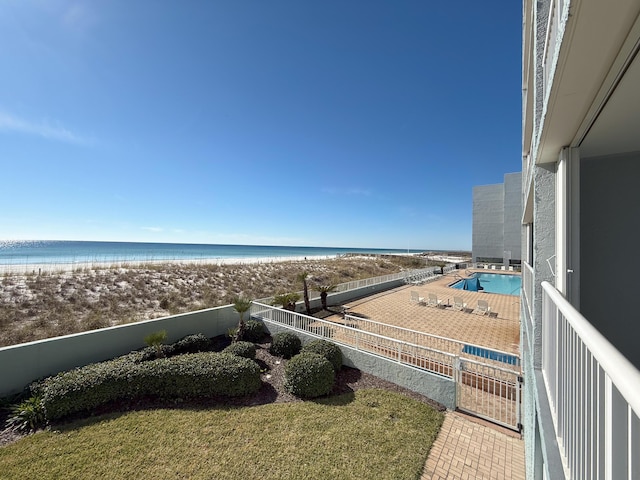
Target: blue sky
(355, 123)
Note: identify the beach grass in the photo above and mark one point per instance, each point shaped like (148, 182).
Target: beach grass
(41, 305)
(365, 434)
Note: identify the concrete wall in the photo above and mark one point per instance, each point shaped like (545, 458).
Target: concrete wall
(609, 264)
(437, 388)
(488, 218)
(21, 364)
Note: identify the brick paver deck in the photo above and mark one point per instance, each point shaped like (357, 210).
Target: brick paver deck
(466, 448)
(500, 330)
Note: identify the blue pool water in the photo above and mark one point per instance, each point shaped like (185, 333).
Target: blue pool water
(493, 355)
(496, 283)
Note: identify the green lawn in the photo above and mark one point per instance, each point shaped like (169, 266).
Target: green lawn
(368, 434)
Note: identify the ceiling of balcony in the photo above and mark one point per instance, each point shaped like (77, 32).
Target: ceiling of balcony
(616, 127)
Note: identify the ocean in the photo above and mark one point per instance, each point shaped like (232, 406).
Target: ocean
(26, 252)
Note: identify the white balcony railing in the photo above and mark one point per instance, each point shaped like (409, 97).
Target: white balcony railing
(527, 286)
(593, 392)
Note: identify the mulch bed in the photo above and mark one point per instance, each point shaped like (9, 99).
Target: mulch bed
(272, 391)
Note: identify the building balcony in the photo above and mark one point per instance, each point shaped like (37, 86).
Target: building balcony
(593, 393)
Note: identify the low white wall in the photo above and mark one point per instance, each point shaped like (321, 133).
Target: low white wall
(23, 363)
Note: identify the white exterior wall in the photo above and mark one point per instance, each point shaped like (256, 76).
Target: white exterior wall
(497, 210)
(581, 163)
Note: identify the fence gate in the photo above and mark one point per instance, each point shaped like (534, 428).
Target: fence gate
(489, 392)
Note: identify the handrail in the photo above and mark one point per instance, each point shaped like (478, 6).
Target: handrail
(424, 334)
(527, 286)
(381, 339)
(624, 375)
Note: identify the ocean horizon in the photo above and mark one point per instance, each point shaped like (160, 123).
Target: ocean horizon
(27, 252)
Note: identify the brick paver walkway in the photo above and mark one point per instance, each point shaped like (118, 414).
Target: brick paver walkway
(467, 449)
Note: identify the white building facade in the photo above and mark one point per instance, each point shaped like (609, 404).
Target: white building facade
(580, 312)
(497, 212)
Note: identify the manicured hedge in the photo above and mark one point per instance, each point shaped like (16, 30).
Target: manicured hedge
(189, 344)
(328, 350)
(185, 376)
(254, 330)
(198, 342)
(285, 345)
(309, 375)
(242, 349)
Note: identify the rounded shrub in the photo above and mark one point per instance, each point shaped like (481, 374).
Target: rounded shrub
(254, 330)
(285, 345)
(309, 375)
(198, 342)
(328, 350)
(242, 349)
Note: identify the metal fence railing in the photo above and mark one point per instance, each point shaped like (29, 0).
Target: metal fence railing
(593, 392)
(436, 342)
(435, 361)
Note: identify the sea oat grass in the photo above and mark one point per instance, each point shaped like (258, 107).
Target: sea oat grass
(85, 298)
(366, 434)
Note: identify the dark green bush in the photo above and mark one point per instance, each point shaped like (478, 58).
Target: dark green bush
(309, 375)
(254, 330)
(191, 344)
(242, 349)
(184, 376)
(285, 345)
(328, 350)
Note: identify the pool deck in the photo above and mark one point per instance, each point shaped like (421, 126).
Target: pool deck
(499, 331)
(466, 447)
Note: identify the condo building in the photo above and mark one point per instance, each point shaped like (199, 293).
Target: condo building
(580, 320)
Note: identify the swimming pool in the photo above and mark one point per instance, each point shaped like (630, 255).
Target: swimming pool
(496, 283)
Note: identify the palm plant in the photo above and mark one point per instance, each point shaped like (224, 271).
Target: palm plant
(155, 340)
(302, 277)
(240, 305)
(324, 291)
(287, 300)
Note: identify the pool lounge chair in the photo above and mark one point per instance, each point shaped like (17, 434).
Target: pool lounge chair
(483, 307)
(458, 304)
(416, 298)
(433, 300)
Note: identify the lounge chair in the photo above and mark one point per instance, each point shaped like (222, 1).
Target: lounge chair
(416, 298)
(483, 307)
(433, 300)
(458, 304)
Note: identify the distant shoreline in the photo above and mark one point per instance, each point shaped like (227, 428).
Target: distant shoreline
(62, 267)
(28, 268)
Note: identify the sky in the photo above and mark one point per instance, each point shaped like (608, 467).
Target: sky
(335, 123)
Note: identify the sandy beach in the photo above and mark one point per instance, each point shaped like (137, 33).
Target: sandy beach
(31, 268)
(42, 301)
